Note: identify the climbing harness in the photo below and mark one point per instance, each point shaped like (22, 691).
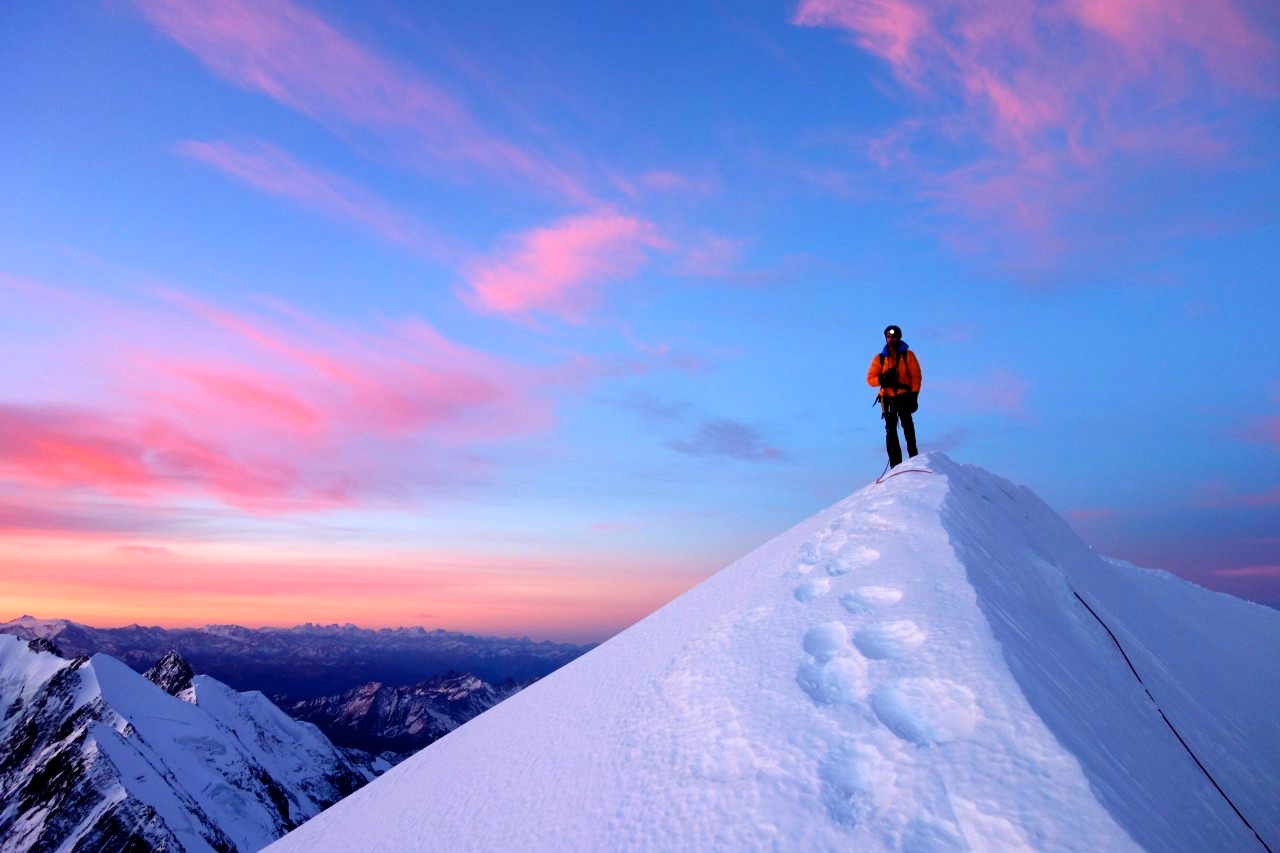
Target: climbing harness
(1176, 734)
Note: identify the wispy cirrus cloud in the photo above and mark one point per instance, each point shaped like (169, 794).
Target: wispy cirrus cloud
(561, 268)
(63, 446)
(29, 508)
(712, 256)
(1250, 572)
(265, 411)
(1023, 113)
(298, 58)
(667, 181)
(58, 448)
(271, 170)
(1002, 68)
(403, 379)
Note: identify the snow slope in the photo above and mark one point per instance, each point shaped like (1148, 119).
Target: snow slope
(910, 669)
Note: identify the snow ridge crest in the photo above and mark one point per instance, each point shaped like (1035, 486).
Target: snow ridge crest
(908, 669)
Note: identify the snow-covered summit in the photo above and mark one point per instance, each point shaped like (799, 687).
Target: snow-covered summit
(42, 628)
(914, 668)
(95, 757)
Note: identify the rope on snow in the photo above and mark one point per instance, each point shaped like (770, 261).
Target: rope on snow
(882, 477)
(1169, 724)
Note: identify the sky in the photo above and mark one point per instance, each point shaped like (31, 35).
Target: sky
(524, 320)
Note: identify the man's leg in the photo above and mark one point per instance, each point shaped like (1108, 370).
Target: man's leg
(909, 432)
(891, 436)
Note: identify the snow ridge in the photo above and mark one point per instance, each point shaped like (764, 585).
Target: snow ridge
(907, 670)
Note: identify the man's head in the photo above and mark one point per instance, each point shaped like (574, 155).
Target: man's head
(892, 334)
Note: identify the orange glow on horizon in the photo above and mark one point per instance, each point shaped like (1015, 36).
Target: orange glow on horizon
(106, 583)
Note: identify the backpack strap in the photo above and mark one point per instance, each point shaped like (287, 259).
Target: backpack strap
(899, 364)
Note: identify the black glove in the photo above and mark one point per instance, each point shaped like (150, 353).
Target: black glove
(889, 378)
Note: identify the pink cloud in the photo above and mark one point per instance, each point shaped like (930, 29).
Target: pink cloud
(265, 412)
(36, 511)
(256, 397)
(1024, 112)
(886, 28)
(1148, 30)
(561, 268)
(666, 181)
(65, 448)
(56, 448)
(1251, 572)
(268, 169)
(406, 379)
(298, 58)
(712, 257)
(1005, 62)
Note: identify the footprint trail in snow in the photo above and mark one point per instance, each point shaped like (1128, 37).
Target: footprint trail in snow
(850, 665)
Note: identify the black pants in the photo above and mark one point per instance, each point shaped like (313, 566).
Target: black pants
(891, 418)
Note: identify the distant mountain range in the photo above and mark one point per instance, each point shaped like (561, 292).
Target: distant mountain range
(309, 661)
(93, 756)
(397, 721)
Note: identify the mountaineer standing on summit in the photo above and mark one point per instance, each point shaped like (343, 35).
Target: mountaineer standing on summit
(896, 372)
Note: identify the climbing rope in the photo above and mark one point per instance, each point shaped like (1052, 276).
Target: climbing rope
(882, 477)
(1176, 734)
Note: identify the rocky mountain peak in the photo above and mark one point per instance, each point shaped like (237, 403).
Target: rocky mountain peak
(40, 644)
(171, 674)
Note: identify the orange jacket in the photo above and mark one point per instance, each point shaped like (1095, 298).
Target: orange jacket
(904, 361)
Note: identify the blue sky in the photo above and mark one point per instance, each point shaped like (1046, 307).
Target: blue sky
(526, 319)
